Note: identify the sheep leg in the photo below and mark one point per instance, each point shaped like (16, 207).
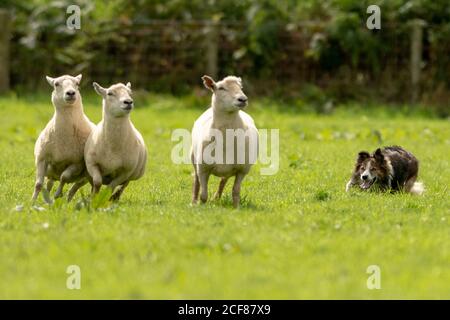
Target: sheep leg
(50, 184)
(203, 179)
(237, 189)
(94, 171)
(46, 193)
(195, 189)
(75, 188)
(222, 185)
(122, 181)
(116, 195)
(67, 175)
(40, 175)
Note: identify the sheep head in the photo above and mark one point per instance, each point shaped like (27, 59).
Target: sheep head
(65, 89)
(117, 101)
(227, 93)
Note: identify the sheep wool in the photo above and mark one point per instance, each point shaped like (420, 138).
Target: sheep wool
(115, 152)
(224, 116)
(59, 150)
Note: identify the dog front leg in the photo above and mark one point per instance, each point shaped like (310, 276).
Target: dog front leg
(350, 184)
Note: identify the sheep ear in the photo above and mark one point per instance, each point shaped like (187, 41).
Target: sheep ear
(363, 155)
(78, 78)
(129, 85)
(99, 89)
(378, 155)
(240, 81)
(50, 80)
(209, 83)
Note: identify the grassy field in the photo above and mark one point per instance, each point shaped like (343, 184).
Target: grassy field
(297, 235)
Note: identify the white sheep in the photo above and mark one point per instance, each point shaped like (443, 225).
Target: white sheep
(115, 152)
(224, 116)
(59, 150)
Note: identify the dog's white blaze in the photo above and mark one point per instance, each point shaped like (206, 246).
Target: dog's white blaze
(367, 172)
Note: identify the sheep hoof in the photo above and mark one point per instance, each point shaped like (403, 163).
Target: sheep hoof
(114, 197)
(47, 199)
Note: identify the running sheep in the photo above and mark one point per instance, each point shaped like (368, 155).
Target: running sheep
(228, 130)
(59, 150)
(115, 152)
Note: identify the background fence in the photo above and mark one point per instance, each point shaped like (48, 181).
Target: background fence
(302, 58)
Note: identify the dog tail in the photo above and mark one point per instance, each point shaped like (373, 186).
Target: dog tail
(418, 188)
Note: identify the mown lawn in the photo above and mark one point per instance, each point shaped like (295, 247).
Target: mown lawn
(297, 235)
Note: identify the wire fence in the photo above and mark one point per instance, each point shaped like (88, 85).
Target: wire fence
(172, 56)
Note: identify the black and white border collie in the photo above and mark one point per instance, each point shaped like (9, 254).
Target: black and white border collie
(391, 168)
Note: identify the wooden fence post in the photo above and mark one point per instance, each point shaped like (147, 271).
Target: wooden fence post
(417, 26)
(5, 37)
(212, 49)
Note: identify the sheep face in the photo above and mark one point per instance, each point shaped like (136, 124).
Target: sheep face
(65, 90)
(117, 99)
(227, 93)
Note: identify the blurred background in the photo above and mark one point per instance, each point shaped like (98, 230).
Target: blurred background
(309, 52)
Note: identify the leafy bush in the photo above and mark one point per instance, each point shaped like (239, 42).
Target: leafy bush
(263, 39)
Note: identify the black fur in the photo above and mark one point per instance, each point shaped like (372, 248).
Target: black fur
(395, 168)
(404, 164)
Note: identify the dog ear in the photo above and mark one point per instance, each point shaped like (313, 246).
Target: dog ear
(363, 155)
(378, 155)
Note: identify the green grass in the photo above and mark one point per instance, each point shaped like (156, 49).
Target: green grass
(298, 234)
